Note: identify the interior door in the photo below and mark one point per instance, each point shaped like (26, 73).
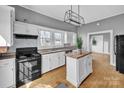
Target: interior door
(106, 45)
(97, 43)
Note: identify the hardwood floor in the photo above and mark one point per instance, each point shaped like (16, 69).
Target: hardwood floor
(103, 76)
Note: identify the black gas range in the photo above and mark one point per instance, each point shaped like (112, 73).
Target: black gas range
(28, 65)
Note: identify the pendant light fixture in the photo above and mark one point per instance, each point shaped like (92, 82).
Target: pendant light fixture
(74, 18)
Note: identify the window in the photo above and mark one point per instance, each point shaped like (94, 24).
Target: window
(58, 38)
(74, 39)
(70, 37)
(65, 37)
(55, 38)
(45, 38)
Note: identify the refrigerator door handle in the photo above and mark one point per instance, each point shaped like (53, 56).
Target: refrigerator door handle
(115, 45)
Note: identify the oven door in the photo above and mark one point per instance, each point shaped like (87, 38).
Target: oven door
(28, 71)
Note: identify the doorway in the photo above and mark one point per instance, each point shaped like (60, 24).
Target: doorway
(96, 42)
(102, 43)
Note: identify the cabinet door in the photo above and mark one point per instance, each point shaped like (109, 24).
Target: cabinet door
(61, 58)
(45, 63)
(19, 28)
(54, 60)
(25, 28)
(32, 29)
(7, 73)
(6, 25)
(89, 64)
(82, 69)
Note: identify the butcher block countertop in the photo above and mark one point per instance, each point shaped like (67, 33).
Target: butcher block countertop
(77, 55)
(7, 56)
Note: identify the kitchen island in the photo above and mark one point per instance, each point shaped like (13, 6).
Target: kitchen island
(78, 67)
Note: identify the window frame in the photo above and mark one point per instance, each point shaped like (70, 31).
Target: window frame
(45, 38)
(60, 39)
(64, 38)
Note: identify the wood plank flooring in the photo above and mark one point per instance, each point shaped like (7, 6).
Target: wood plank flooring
(103, 76)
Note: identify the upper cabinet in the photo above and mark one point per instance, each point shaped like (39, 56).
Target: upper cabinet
(7, 18)
(25, 28)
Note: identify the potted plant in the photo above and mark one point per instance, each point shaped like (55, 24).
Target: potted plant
(79, 44)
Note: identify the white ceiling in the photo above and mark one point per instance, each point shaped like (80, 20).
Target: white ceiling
(90, 13)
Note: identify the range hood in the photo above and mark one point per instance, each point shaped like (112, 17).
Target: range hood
(23, 36)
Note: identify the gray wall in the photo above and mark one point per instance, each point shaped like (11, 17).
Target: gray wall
(42, 20)
(115, 23)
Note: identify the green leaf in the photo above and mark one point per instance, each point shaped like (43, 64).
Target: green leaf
(79, 42)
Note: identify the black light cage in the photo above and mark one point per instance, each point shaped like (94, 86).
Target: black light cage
(73, 18)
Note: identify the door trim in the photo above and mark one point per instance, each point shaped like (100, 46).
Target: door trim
(112, 62)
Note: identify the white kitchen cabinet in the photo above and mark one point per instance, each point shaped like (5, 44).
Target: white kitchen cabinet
(25, 28)
(82, 69)
(7, 73)
(71, 71)
(45, 63)
(7, 19)
(78, 69)
(89, 64)
(61, 58)
(19, 28)
(52, 61)
(32, 29)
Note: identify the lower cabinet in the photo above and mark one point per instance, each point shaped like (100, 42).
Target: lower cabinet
(52, 61)
(7, 73)
(82, 69)
(85, 67)
(45, 65)
(78, 69)
(89, 64)
(61, 58)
